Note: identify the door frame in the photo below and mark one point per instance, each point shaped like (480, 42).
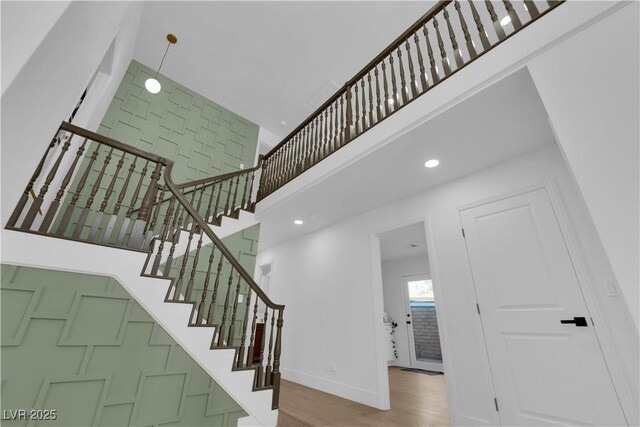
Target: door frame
(378, 312)
(585, 283)
(413, 359)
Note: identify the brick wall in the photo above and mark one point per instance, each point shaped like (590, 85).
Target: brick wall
(425, 332)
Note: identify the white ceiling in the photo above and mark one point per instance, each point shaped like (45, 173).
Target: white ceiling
(266, 60)
(404, 242)
(501, 122)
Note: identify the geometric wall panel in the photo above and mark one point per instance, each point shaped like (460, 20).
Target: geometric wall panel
(15, 303)
(165, 148)
(174, 122)
(181, 97)
(161, 398)
(212, 113)
(90, 320)
(76, 399)
(206, 136)
(116, 415)
(97, 357)
(199, 161)
(239, 126)
(233, 148)
(180, 116)
(136, 105)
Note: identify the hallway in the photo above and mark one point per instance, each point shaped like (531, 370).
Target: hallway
(416, 400)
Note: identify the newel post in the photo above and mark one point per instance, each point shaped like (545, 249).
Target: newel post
(275, 374)
(150, 196)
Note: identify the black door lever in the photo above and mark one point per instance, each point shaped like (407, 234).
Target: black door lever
(578, 321)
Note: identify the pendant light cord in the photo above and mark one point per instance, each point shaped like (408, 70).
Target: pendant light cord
(161, 62)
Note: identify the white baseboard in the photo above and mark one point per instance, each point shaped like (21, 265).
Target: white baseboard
(357, 394)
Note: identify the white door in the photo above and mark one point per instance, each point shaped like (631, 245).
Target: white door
(422, 326)
(546, 371)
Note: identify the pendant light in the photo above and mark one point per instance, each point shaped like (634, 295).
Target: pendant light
(152, 84)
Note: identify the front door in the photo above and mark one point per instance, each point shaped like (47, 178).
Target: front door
(545, 359)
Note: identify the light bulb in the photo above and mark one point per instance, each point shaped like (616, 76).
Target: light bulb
(152, 85)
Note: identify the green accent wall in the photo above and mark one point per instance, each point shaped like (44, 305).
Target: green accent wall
(202, 137)
(82, 345)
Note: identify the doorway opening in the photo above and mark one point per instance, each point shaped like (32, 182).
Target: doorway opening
(411, 336)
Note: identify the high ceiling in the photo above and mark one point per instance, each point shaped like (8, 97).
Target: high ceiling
(503, 121)
(270, 62)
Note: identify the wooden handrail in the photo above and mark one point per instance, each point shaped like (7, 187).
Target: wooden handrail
(211, 180)
(363, 71)
(222, 177)
(113, 143)
(217, 242)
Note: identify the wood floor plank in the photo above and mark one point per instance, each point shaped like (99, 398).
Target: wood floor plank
(416, 400)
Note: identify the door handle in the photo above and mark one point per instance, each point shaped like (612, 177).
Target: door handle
(408, 322)
(578, 321)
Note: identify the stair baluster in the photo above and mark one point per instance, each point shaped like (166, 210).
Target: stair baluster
(84, 214)
(457, 54)
(481, 31)
(105, 200)
(62, 227)
(35, 206)
(134, 199)
(465, 30)
(109, 230)
(423, 74)
(24, 198)
(53, 208)
(412, 75)
(496, 22)
(243, 340)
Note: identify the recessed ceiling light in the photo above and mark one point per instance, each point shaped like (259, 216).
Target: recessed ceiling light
(283, 124)
(298, 222)
(432, 163)
(505, 21)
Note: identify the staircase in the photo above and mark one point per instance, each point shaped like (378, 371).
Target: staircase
(213, 294)
(124, 199)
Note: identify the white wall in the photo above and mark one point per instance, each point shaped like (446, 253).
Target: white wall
(589, 85)
(326, 280)
(393, 272)
(24, 26)
(51, 81)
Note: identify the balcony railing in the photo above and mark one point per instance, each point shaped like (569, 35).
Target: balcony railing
(446, 39)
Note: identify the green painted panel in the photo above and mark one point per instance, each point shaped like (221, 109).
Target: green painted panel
(82, 345)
